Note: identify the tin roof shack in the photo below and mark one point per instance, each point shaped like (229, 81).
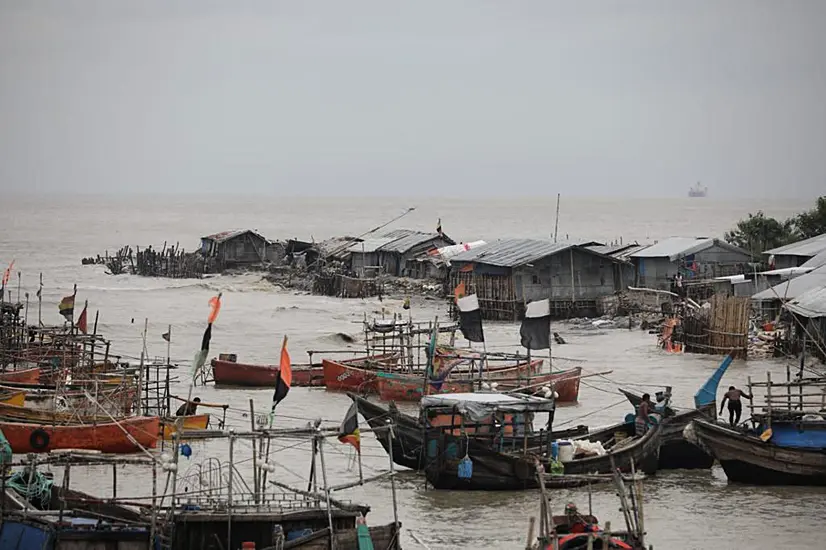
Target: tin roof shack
(693, 257)
(509, 273)
(240, 248)
(768, 302)
(809, 310)
(390, 252)
(796, 254)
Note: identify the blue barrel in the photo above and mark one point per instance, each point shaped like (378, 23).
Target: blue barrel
(554, 450)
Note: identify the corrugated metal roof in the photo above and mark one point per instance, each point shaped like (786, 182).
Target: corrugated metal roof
(610, 249)
(810, 304)
(816, 261)
(674, 247)
(791, 289)
(511, 252)
(405, 239)
(624, 255)
(227, 235)
(370, 245)
(809, 247)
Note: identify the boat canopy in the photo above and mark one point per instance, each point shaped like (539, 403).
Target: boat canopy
(482, 404)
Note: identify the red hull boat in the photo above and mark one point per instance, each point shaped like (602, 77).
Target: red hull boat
(27, 376)
(230, 373)
(408, 387)
(108, 438)
(357, 375)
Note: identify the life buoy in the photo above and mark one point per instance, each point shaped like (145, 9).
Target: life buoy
(39, 439)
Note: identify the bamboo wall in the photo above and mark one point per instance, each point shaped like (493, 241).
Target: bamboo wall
(720, 329)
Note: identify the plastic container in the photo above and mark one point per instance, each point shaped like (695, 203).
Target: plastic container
(231, 357)
(248, 545)
(554, 450)
(566, 451)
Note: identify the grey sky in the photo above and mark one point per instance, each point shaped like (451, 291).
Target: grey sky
(431, 98)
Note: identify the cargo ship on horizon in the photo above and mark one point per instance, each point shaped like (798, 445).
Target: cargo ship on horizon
(698, 191)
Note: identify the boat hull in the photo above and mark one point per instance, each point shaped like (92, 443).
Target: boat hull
(14, 398)
(107, 438)
(747, 459)
(356, 375)
(497, 471)
(407, 387)
(169, 426)
(26, 376)
(229, 373)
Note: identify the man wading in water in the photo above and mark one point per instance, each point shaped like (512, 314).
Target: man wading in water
(735, 406)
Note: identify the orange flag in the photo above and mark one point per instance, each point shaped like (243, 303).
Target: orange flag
(459, 291)
(215, 307)
(7, 274)
(285, 376)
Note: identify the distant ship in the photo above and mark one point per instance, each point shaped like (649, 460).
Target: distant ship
(698, 191)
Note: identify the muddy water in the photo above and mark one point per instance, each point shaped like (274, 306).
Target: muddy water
(682, 509)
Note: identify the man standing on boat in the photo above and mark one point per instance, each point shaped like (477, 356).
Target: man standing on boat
(189, 408)
(735, 406)
(641, 422)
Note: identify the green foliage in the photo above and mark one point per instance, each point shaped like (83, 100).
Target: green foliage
(759, 233)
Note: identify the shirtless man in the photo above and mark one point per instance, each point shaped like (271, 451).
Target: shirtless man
(735, 406)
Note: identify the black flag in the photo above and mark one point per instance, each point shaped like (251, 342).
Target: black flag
(470, 318)
(536, 327)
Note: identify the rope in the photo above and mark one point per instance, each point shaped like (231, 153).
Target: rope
(31, 485)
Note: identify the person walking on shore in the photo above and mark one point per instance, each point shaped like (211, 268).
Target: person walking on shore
(735, 405)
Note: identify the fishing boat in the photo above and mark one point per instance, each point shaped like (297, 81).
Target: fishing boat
(127, 435)
(496, 467)
(408, 432)
(357, 374)
(171, 425)
(677, 452)
(25, 376)
(118, 400)
(407, 387)
(784, 442)
(230, 373)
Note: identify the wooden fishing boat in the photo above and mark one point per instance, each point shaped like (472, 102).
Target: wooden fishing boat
(494, 470)
(409, 431)
(357, 375)
(231, 373)
(125, 436)
(25, 376)
(14, 413)
(406, 387)
(677, 452)
(117, 400)
(746, 458)
(170, 425)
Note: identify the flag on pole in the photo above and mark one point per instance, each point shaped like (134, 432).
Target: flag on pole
(459, 292)
(214, 308)
(348, 432)
(285, 376)
(7, 274)
(536, 326)
(201, 354)
(81, 321)
(470, 318)
(439, 226)
(67, 307)
(165, 336)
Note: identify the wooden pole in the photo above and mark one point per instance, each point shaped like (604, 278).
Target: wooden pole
(556, 223)
(229, 487)
(327, 491)
(390, 436)
(140, 373)
(40, 302)
(255, 473)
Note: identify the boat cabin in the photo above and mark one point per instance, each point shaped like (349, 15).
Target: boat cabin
(480, 414)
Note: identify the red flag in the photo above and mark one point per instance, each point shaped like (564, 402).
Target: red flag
(7, 274)
(459, 291)
(81, 321)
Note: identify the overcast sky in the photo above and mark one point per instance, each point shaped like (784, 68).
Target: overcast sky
(418, 97)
